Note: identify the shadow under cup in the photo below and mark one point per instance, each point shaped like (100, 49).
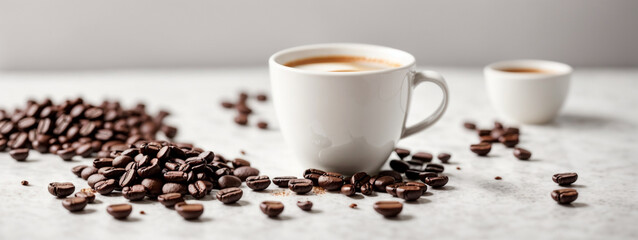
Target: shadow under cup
(528, 91)
(342, 121)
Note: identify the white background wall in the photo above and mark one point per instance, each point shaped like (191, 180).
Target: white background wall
(81, 34)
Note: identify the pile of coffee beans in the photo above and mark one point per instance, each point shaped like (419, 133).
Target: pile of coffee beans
(508, 136)
(243, 110)
(565, 195)
(76, 127)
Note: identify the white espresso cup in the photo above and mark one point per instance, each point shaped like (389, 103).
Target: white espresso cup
(347, 121)
(528, 91)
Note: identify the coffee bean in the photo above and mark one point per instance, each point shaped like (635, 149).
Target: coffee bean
(189, 211)
(487, 139)
(353, 205)
(176, 176)
(304, 205)
(261, 97)
(498, 125)
(74, 204)
(119, 211)
(61, 189)
(66, 154)
(112, 172)
(565, 179)
(89, 196)
(348, 190)
(245, 172)
(229, 195)
(402, 152)
(388, 208)
(227, 104)
(421, 186)
(399, 166)
(95, 178)
(422, 156)
(105, 187)
(262, 125)
(512, 130)
(84, 150)
(509, 140)
(19, 154)
(522, 154)
(409, 193)
(258, 183)
(444, 157)
(134, 193)
(103, 162)
(175, 188)
(360, 178)
(198, 189)
(128, 178)
(565, 196)
(381, 182)
(271, 208)
(300, 186)
(282, 182)
(241, 119)
(149, 171)
(238, 162)
(366, 189)
(481, 149)
(498, 178)
(87, 172)
(424, 175)
(24, 182)
(392, 188)
(484, 132)
(313, 174)
(121, 161)
(330, 183)
(412, 174)
(170, 199)
(77, 170)
(394, 174)
(433, 167)
(436, 182)
(469, 125)
(229, 181)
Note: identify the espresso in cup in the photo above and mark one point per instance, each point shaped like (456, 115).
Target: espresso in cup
(525, 70)
(342, 64)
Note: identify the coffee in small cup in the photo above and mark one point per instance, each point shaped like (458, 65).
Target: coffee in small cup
(341, 64)
(525, 70)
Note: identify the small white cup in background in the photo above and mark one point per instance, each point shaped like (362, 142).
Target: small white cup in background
(528, 97)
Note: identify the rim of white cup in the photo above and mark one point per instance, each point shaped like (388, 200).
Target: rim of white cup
(554, 68)
(408, 59)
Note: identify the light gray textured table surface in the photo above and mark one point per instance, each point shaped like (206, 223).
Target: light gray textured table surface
(596, 136)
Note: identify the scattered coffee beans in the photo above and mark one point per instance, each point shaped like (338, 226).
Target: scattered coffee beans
(331, 182)
(409, 193)
(304, 205)
(422, 156)
(170, 199)
(433, 167)
(61, 189)
(258, 183)
(565, 196)
(436, 182)
(402, 152)
(388, 208)
(74, 204)
(245, 172)
(229, 195)
(282, 182)
(229, 181)
(119, 211)
(565, 179)
(89, 196)
(522, 153)
(189, 211)
(300, 186)
(271, 208)
(481, 149)
(134, 193)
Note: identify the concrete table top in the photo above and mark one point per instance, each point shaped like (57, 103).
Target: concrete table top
(596, 136)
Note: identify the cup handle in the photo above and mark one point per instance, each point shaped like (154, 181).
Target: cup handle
(436, 78)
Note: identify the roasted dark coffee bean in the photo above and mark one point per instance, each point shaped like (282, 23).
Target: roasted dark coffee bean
(469, 125)
(359, 178)
(412, 174)
(388, 208)
(444, 157)
(271, 208)
(433, 167)
(175, 188)
(392, 188)
(262, 125)
(565, 196)
(26, 123)
(227, 104)
(176, 176)
(436, 182)
(128, 178)
(282, 182)
(396, 175)
(424, 175)
(228, 181)
(170, 199)
(77, 170)
(402, 152)
(21, 141)
(422, 156)
(313, 174)
(189, 211)
(119, 211)
(241, 119)
(484, 132)
(224, 171)
(229, 195)
(89, 196)
(121, 161)
(409, 193)
(330, 183)
(481, 149)
(24, 183)
(245, 172)
(381, 182)
(348, 190)
(61, 189)
(134, 193)
(198, 189)
(261, 97)
(112, 172)
(399, 166)
(522, 154)
(74, 204)
(258, 183)
(415, 164)
(131, 152)
(366, 189)
(422, 186)
(95, 178)
(105, 187)
(208, 156)
(87, 172)
(487, 139)
(509, 140)
(164, 153)
(149, 171)
(512, 130)
(84, 150)
(300, 186)
(103, 162)
(565, 179)
(20, 154)
(497, 133)
(305, 205)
